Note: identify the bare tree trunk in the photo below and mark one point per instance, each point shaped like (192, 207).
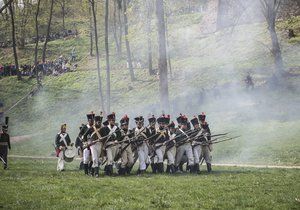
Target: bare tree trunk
(149, 8)
(107, 58)
(91, 32)
(127, 42)
(63, 13)
(6, 4)
(37, 43)
(120, 26)
(48, 32)
(162, 60)
(168, 48)
(97, 54)
(270, 11)
(10, 7)
(115, 30)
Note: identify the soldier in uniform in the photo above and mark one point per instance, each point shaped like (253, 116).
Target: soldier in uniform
(86, 139)
(96, 147)
(196, 143)
(159, 142)
(150, 143)
(110, 143)
(62, 140)
(141, 133)
(79, 146)
(171, 148)
(126, 151)
(183, 144)
(4, 145)
(206, 146)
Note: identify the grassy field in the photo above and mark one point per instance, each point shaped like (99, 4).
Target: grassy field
(34, 184)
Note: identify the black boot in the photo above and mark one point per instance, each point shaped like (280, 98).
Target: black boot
(90, 167)
(81, 167)
(138, 172)
(110, 170)
(128, 170)
(172, 169)
(196, 168)
(92, 171)
(96, 172)
(168, 170)
(121, 171)
(86, 169)
(180, 167)
(208, 167)
(160, 168)
(191, 168)
(154, 168)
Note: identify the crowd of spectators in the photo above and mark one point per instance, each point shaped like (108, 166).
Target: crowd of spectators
(54, 67)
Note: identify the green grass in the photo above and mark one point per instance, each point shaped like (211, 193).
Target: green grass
(34, 184)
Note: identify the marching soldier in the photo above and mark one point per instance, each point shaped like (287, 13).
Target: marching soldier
(196, 144)
(86, 133)
(150, 143)
(126, 151)
(183, 144)
(62, 140)
(141, 133)
(171, 148)
(206, 146)
(79, 146)
(96, 145)
(160, 140)
(112, 134)
(4, 145)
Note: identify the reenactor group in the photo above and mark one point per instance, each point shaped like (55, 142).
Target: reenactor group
(104, 143)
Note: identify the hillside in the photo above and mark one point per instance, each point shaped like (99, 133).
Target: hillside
(208, 73)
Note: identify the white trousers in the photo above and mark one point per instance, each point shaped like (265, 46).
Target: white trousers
(111, 153)
(143, 156)
(205, 153)
(86, 155)
(187, 149)
(159, 154)
(197, 153)
(60, 162)
(171, 155)
(96, 151)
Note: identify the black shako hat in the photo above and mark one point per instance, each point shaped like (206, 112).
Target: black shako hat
(195, 121)
(90, 116)
(111, 116)
(152, 119)
(124, 120)
(139, 119)
(202, 116)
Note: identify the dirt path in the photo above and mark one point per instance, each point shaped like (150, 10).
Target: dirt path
(217, 164)
(14, 139)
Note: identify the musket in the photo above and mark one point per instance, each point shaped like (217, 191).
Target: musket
(215, 141)
(2, 160)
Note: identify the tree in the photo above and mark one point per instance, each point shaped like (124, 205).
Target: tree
(91, 31)
(97, 53)
(13, 34)
(107, 57)
(37, 43)
(149, 9)
(6, 4)
(62, 4)
(162, 59)
(48, 31)
(117, 41)
(129, 60)
(270, 11)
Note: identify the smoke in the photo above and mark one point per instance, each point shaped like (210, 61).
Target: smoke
(208, 76)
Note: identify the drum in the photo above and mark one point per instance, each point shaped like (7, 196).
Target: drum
(69, 154)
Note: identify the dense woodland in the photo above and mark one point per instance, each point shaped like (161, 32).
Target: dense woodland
(108, 25)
